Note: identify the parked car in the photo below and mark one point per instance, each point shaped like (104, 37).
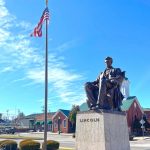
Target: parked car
(2, 130)
(9, 130)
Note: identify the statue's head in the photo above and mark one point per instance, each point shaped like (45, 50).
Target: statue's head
(108, 61)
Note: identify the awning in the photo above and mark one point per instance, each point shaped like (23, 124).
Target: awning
(49, 122)
(42, 123)
(37, 123)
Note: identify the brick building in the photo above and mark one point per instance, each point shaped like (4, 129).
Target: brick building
(39, 124)
(61, 121)
(57, 121)
(133, 110)
(147, 113)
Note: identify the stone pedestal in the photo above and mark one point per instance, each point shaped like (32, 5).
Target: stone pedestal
(102, 130)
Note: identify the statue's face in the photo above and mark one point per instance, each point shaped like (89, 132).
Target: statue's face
(108, 63)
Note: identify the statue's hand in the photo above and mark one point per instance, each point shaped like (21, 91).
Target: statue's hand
(112, 80)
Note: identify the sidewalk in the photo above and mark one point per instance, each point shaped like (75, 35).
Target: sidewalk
(66, 148)
(52, 133)
(141, 138)
(141, 142)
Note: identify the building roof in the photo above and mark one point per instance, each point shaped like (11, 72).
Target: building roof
(84, 107)
(146, 109)
(126, 104)
(33, 115)
(131, 97)
(66, 112)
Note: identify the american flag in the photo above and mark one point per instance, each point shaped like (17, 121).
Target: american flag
(37, 32)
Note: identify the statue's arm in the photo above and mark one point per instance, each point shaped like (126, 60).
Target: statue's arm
(118, 77)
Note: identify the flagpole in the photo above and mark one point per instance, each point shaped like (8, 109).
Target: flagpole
(46, 84)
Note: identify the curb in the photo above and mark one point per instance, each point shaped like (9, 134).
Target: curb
(66, 148)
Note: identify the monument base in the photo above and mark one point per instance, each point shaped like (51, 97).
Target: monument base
(102, 130)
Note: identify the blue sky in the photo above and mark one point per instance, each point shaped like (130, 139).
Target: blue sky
(81, 34)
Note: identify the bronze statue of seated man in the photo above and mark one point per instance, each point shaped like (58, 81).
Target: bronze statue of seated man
(104, 93)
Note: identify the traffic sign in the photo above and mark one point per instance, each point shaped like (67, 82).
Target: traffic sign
(142, 121)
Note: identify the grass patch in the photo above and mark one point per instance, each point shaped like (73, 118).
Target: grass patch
(19, 137)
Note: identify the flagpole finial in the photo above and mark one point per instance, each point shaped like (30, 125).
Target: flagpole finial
(46, 2)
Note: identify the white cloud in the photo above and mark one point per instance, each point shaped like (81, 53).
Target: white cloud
(64, 46)
(4, 35)
(18, 54)
(18, 80)
(6, 69)
(66, 84)
(3, 10)
(25, 25)
(36, 75)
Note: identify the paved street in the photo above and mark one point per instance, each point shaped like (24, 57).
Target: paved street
(140, 143)
(67, 141)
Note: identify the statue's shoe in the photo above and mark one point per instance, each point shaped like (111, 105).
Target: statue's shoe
(93, 107)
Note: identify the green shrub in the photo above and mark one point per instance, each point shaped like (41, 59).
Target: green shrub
(51, 145)
(23, 141)
(8, 145)
(2, 141)
(29, 145)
